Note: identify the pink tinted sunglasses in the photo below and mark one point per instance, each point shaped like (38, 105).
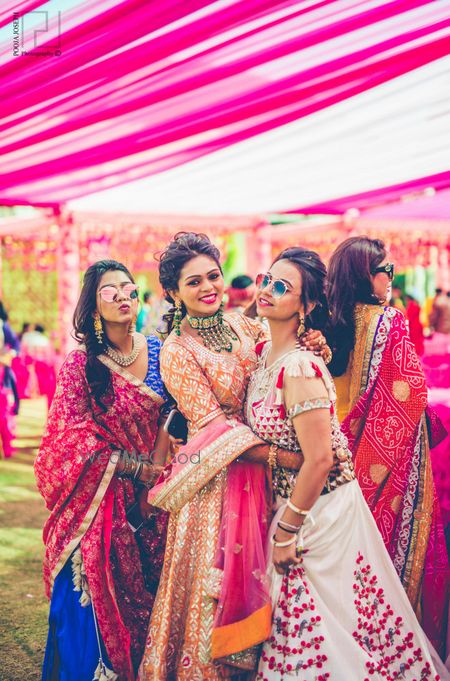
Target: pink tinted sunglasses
(109, 293)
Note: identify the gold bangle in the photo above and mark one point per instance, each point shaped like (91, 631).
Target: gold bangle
(328, 357)
(272, 458)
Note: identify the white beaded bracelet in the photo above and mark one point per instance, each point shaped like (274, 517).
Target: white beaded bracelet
(283, 544)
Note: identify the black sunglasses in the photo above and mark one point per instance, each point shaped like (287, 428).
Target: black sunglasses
(385, 269)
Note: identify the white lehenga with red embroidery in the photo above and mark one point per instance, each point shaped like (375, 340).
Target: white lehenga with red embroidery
(342, 613)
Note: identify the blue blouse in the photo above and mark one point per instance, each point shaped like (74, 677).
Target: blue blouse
(153, 379)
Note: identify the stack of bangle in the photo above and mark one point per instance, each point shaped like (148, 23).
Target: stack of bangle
(131, 469)
(138, 471)
(128, 468)
(272, 458)
(286, 527)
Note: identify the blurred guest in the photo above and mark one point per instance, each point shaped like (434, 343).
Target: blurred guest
(415, 325)
(397, 299)
(440, 312)
(9, 348)
(26, 326)
(36, 344)
(141, 321)
(241, 293)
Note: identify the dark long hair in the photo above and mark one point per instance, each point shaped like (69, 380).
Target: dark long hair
(349, 283)
(98, 375)
(3, 313)
(184, 247)
(313, 273)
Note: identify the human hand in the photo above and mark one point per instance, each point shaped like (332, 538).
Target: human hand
(316, 342)
(175, 444)
(150, 473)
(284, 557)
(146, 509)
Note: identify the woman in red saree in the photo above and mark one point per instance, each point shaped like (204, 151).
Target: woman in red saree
(382, 401)
(95, 463)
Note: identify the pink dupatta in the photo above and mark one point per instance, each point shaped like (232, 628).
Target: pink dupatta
(243, 616)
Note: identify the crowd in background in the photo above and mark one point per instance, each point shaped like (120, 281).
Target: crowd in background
(28, 360)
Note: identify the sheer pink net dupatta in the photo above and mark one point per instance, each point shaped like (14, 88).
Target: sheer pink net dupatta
(243, 615)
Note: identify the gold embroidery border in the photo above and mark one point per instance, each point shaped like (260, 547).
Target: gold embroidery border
(87, 520)
(194, 476)
(421, 526)
(365, 330)
(134, 380)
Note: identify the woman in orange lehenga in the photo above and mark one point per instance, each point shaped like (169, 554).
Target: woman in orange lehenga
(382, 401)
(206, 623)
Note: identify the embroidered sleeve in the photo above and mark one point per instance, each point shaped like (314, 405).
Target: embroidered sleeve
(304, 384)
(252, 327)
(188, 385)
(308, 405)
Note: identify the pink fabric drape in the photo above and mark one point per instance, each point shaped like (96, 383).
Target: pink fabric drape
(380, 197)
(144, 86)
(8, 9)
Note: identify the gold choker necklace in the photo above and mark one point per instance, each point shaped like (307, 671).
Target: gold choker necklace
(214, 331)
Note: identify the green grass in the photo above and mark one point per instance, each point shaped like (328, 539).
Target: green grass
(24, 607)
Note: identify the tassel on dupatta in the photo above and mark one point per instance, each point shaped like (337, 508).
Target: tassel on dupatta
(79, 578)
(102, 673)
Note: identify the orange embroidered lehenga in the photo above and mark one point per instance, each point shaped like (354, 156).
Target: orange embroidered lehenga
(205, 384)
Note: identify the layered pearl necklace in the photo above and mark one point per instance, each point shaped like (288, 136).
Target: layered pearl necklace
(122, 360)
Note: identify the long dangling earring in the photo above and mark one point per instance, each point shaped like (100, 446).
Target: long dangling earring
(98, 328)
(132, 327)
(301, 326)
(177, 317)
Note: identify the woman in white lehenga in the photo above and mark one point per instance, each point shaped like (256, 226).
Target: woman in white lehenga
(340, 611)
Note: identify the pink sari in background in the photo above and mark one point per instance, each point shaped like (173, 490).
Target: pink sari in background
(6, 421)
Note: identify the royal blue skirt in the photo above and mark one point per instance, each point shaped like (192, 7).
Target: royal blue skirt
(72, 652)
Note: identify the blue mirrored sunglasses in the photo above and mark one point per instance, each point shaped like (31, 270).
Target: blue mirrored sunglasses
(278, 286)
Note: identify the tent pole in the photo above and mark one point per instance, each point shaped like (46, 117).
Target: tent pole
(68, 277)
(259, 249)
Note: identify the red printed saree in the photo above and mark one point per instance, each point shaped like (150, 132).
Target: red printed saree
(385, 396)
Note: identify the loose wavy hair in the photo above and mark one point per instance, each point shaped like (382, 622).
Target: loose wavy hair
(98, 375)
(349, 282)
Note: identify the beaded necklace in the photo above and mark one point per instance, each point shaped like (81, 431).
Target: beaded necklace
(126, 360)
(215, 333)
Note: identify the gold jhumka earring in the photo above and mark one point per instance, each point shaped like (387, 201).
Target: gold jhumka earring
(98, 328)
(301, 327)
